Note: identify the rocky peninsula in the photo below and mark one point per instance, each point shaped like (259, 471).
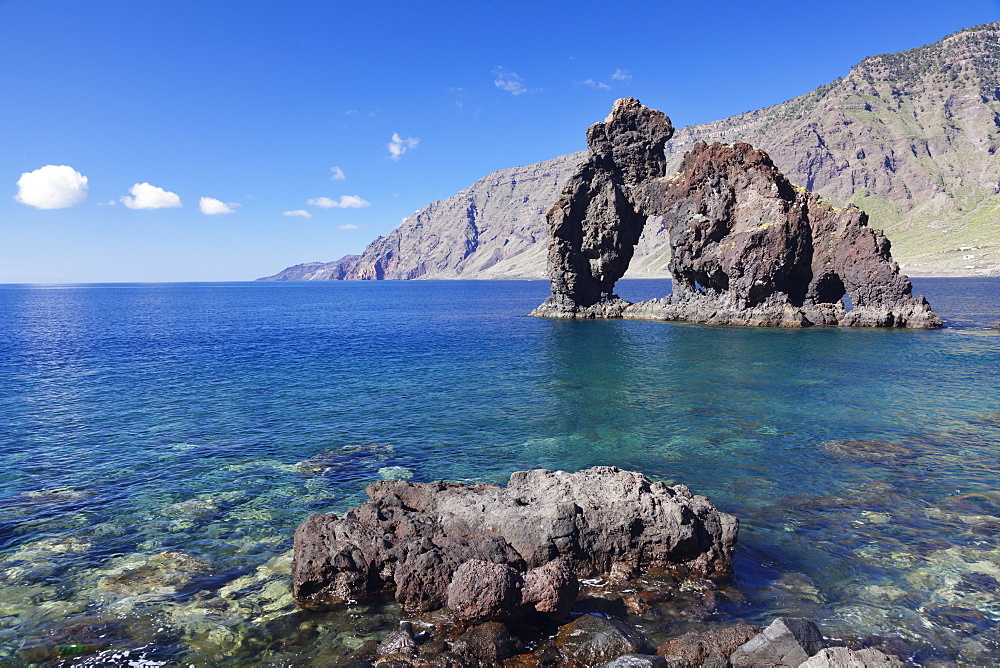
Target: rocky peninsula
(747, 246)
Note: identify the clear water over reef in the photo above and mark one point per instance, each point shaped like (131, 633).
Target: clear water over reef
(160, 443)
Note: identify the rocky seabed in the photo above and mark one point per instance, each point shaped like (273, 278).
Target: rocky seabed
(158, 607)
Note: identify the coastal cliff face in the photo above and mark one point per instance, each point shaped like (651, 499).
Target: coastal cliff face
(747, 247)
(910, 137)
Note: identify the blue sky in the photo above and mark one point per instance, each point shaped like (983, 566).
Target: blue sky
(355, 114)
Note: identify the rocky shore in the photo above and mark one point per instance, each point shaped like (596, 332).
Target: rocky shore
(599, 640)
(548, 571)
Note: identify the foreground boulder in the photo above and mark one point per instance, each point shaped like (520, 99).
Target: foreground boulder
(747, 246)
(497, 554)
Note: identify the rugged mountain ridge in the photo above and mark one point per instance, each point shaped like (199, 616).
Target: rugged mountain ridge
(495, 228)
(910, 137)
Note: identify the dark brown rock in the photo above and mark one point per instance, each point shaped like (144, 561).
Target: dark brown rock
(334, 562)
(481, 590)
(595, 640)
(551, 589)
(491, 643)
(417, 536)
(426, 566)
(693, 649)
(747, 247)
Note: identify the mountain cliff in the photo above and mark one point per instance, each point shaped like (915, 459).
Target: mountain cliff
(910, 137)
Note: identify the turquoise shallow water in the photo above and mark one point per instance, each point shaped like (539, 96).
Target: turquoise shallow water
(161, 442)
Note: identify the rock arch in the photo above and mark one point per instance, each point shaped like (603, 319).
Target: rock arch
(747, 246)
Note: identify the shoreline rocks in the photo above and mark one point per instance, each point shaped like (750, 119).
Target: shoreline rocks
(748, 247)
(602, 641)
(502, 554)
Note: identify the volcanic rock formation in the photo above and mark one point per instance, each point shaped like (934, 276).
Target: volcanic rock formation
(747, 246)
(492, 553)
(595, 225)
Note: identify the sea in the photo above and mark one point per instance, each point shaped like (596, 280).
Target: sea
(160, 444)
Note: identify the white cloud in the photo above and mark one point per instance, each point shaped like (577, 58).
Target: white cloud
(345, 202)
(619, 75)
(110, 202)
(146, 196)
(338, 174)
(509, 81)
(213, 207)
(298, 213)
(52, 187)
(398, 146)
(348, 227)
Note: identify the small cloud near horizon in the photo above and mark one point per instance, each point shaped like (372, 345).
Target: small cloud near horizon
(214, 207)
(297, 213)
(148, 196)
(348, 227)
(345, 202)
(509, 81)
(52, 187)
(398, 146)
(596, 84)
(621, 75)
(338, 173)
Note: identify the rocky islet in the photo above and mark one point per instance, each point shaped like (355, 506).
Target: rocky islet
(747, 246)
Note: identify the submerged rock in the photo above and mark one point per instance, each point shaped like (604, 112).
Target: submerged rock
(865, 450)
(152, 575)
(491, 643)
(593, 640)
(496, 554)
(747, 246)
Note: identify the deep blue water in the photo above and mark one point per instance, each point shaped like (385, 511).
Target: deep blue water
(138, 421)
